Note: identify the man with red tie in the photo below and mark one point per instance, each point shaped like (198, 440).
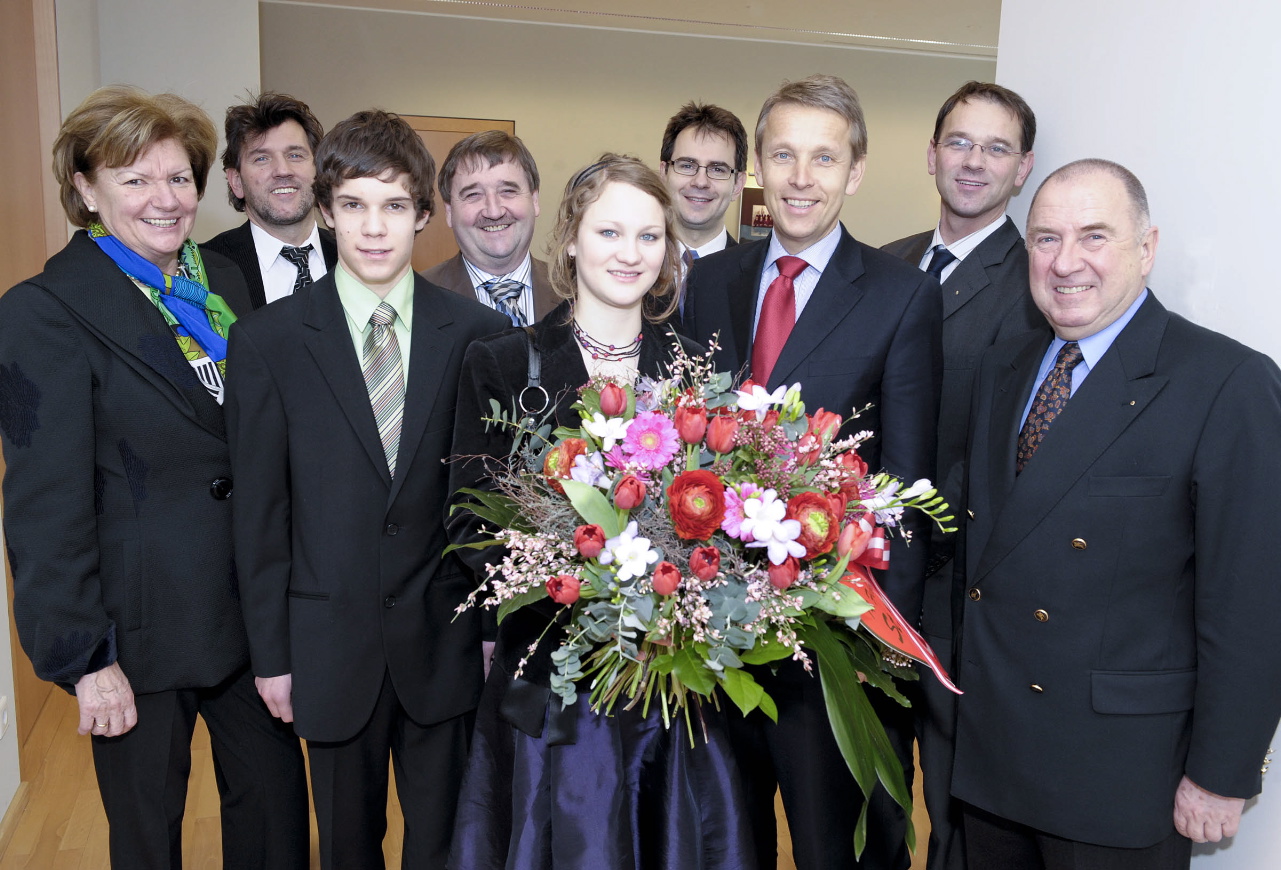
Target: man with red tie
(855, 327)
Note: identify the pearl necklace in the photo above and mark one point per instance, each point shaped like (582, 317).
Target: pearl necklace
(598, 350)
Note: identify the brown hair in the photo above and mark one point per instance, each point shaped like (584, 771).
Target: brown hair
(706, 119)
(819, 92)
(971, 91)
(371, 144)
(490, 148)
(250, 121)
(583, 190)
(114, 125)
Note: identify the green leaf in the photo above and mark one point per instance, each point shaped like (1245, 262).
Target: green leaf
(592, 506)
(849, 604)
(769, 708)
(742, 689)
(518, 601)
(766, 653)
(478, 545)
(689, 670)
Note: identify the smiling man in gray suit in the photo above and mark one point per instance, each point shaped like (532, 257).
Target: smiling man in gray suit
(979, 155)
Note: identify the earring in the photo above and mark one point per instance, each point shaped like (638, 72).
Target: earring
(93, 208)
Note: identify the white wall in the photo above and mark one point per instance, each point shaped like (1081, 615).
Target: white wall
(207, 52)
(575, 92)
(1183, 93)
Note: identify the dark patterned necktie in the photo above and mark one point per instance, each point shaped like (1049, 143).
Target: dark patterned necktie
(384, 379)
(778, 316)
(506, 296)
(1055, 390)
(941, 260)
(299, 257)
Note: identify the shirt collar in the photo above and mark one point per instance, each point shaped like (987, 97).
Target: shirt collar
(520, 273)
(267, 246)
(1094, 346)
(816, 255)
(963, 247)
(359, 302)
(716, 244)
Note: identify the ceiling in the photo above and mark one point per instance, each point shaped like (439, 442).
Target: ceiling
(929, 26)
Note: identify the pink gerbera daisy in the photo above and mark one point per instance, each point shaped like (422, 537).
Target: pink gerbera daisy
(734, 498)
(651, 440)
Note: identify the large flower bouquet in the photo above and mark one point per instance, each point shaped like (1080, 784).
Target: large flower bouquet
(689, 529)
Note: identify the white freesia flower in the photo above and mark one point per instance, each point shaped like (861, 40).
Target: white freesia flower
(763, 520)
(589, 468)
(610, 430)
(920, 487)
(880, 504)
(632, 554)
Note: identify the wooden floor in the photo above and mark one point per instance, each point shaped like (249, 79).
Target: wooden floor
(59, 822)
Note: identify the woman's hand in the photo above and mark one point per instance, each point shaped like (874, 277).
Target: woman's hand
(106, 703)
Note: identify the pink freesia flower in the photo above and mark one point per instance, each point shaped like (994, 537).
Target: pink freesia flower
(651, 440)
(735, 495)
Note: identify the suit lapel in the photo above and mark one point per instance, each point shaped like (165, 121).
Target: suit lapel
(331, 347)
(245, 255)
(741, 303)
(112, 307)
(430, 350)
(837, 292)
(1114, 394)
(970, 277)
(328, 249)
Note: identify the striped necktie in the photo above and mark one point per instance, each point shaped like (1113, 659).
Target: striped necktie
(506, 296)
(299, 257)
(384, 379)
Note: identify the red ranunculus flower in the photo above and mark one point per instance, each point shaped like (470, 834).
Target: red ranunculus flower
(691, 424)
(589, 540)
(563, 588)
(720, 433)
(705, 563)
(838, 502)
(560, 461)
(782, 576)
(629, 493)
(696, 500)
(819, 526)
(613, 400)
(666, 578)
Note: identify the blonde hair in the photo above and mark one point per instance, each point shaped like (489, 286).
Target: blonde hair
(114, 125)
(584, 189)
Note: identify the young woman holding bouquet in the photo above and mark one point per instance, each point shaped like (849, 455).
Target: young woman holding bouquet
(553, 786)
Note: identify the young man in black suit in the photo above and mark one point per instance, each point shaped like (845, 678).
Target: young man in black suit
(854, 326)
(979, 155)
(270, 166)
(1119, 651)
(340, 415)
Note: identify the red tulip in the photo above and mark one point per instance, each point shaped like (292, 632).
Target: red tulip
(666, 578)
(825, 425)
(705, 563)
(771, 419)
(854, 537)
(783, 576)
(720, 433)
(691, 423)
(589, 540)
(613, 400)
(563, 588)
(629, 493)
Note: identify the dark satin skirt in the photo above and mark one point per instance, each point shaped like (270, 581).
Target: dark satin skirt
(626, 794)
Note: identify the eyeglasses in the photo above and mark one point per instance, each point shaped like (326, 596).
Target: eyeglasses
(715, 171)
(965, 146)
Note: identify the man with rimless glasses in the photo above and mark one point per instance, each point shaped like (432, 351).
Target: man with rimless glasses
(979, 155)
(703, 162)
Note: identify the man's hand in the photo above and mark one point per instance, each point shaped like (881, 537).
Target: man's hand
(106, 703)
(1203, 816)
(278, 694)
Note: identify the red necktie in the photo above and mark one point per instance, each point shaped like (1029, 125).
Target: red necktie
(778, 316)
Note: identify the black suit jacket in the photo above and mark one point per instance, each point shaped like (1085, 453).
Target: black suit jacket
(985, 300)
(452, 275)
(237, 245)
(870, 333)
(120, 550)
(340, 566)
(1140, 533)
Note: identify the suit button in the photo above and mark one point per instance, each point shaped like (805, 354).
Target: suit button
(1035, 688)
(1079, 544)
(389, 601)
(392, 529)
(975, 594)
(1041, 616)
(220, 488)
